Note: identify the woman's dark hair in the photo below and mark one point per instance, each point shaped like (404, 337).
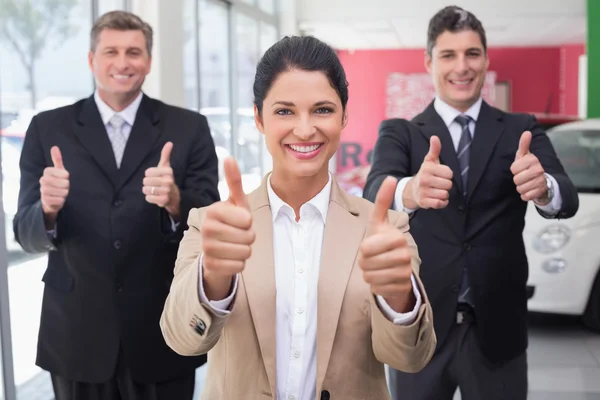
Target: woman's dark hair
(298, 52)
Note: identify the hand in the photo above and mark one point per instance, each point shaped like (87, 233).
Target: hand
(54, 187)
(431, 186)
(384, 255)
(227, 236)
(529, 173)
(159, 184)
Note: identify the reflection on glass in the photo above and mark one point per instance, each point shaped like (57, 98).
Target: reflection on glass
(214, 77)
(267, 6)
(105, 6)
(54, 37)
(248, 137)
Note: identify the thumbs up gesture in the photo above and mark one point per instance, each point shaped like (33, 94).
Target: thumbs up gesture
(431, 186)
(528, 173)
(54, 186)
(384, 255)
(159, 184)
(227, 236)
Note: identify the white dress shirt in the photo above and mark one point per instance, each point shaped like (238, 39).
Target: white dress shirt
(297, 247)
(448, 115)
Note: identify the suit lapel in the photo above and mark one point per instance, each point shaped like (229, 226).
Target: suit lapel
(91, 133)
(488, 130)
(432, 125)
(259, 282)
(143, 136)
(337, 260)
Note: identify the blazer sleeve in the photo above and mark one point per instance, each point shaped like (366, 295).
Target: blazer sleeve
(407, 348)
(542, 148)
(200, 184)
(189, 327)
(28, 224)
(391, 156)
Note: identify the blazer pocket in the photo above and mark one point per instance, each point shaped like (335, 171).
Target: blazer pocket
(58, 279)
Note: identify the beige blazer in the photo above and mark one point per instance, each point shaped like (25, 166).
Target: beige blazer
(354, 338)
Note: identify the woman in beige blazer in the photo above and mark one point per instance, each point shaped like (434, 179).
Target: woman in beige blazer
(299, 291)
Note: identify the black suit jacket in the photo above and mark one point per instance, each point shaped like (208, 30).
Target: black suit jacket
(482, 232)
(111, 263)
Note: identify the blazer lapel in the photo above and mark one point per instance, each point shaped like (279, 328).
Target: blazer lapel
(488, 130)
(259, 282)
(337, 260)
(144, 134)
(91, 133)
(432, 125)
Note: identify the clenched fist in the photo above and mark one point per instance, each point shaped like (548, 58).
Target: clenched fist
(227, 236)
(431, 186)
(528, 173)
(384, 255)
(54, 187)
(159, 184)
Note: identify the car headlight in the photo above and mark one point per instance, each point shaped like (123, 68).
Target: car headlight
(552, 238)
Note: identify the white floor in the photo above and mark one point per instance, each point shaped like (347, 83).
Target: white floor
(564, 359)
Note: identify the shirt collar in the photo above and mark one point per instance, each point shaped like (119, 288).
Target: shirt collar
(128, 114)
(449, 114)
(320, 202)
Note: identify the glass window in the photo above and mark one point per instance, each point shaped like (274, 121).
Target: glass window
(43, 65)
(579, 152)
(214, 76)
(105, 6)
(267, 6)
(190, 53)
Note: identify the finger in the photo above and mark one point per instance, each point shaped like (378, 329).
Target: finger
(51, 181)
(234, 182)
(528, 175)
(381, 277)
(533, 194)
(229, 214)
(226, 251)
(165, 155)
(430, 181)
(56, 156)
(528, 161)
(221, 266)
(384, 200)
(382, 242)
(440, 171)
(392, 290)
(157, 181)
(524, 144)
(155, 172)
(435, 147)
(436, 194)
(217, 230)
(393, 258)
(159, 200)
(54, 192)
(53, 201)
(534, 184)
(434, 203)
(156, 190)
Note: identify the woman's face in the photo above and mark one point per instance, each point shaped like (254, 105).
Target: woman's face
(302, 120)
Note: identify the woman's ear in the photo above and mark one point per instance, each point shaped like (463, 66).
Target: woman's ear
(345, 118)
(258, 120)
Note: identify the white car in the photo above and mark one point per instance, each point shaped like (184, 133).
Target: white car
(564, 255)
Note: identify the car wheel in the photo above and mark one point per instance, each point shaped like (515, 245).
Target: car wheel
(591, 317)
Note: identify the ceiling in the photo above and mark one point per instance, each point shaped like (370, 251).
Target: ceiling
(393, 24)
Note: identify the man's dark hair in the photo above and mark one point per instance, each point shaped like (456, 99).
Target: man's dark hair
(453, 19)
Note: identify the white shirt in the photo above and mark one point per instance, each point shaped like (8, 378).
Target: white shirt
(448, 115)
(297, 247)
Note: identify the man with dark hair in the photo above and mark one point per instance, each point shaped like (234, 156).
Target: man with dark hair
(466, 173)
(106, 187)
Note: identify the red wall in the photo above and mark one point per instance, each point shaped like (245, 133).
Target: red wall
(534, 75)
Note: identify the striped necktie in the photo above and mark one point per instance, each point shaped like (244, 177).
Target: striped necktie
(463, 151)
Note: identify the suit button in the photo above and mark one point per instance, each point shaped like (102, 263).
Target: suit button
(467, 247)
(117, 244)
(120, 287)
(455, 288)
(325, 395)
(461, 209)
(118, 203)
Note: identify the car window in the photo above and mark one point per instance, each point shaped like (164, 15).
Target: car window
(579, 153)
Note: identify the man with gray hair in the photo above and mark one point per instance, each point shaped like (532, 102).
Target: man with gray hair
(106, 187)
(466, 173)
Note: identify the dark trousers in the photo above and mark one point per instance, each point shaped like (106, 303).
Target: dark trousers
(460, 363)
(123, 387)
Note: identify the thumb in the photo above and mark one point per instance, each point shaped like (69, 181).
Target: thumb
(234, 182)
(435, 147)
(57, 159)
(165, 155)
(384, 201)
(524, 144)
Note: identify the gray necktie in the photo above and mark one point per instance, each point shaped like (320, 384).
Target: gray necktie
(117, 138)
(464, 146)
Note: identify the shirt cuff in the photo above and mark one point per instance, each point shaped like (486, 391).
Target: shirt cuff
(219, 307)
(398, 203)
(555, 205)
(174, 225)
(402, 318)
